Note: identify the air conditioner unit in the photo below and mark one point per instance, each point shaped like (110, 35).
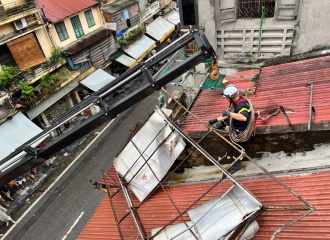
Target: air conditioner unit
(20, 24)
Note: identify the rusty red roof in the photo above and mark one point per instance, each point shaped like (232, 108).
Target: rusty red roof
(58, 10)
(280, 85)
(158, 210)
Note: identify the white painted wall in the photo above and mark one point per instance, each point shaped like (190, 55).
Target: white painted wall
(313, 29)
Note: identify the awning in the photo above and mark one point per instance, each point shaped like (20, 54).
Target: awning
(16, 132)
(97, 80)
(116, 54)
(126, 60)
(160, 29)
(117, 5)
(172, 16)
(41, 107)
(86, 41)
(140, 48)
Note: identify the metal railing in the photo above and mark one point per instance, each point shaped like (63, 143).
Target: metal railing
(15, 7)
(252, 8)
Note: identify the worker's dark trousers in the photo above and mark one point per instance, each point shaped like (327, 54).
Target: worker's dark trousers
(235, 154)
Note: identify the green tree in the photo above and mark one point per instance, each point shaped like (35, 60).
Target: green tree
(56, 56)
(26, 89)
(7, 74)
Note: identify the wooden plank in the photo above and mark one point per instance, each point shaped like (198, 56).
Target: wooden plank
(26, 52)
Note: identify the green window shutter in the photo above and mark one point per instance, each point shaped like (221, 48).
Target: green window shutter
(61, 31)
(77, 26)
(89, 18)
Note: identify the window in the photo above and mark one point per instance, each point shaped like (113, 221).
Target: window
(252, 8)
(230, 10)
(127, 18)
(89, 18)
(77, 26)
(61, 31)
(189, 12)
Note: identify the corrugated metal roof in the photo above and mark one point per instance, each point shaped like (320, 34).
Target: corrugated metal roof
(158, 210)
(58, 10)
(279, 85)
(86, 41)
(117, 5)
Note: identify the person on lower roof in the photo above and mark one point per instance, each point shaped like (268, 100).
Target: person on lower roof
(238, 120)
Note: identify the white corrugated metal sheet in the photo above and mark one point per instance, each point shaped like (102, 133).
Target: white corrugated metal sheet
(155, 143)
(159, 29)
(126, 60)
(219, 216)
(140, 48)
(172, 16)
(16, 132)
(97, 80)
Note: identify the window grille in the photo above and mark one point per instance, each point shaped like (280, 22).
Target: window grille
(61, 31)
(89, 18)
(77, 26)
(252, 8)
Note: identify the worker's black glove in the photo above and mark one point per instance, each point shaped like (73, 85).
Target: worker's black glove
(225, 113)
(213, 121)
(219, 125)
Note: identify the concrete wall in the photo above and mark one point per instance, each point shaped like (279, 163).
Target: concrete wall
(72, 36)
(313, 30)
(237, 40)
(206, 19)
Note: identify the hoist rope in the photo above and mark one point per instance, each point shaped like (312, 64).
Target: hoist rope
(247, 133)
(257, 53)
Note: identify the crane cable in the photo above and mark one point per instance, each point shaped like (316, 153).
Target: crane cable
(250, 129)
(257, 53)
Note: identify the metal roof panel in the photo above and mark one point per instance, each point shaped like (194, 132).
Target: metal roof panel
(280, 85)
(158, 209)
(58, 10)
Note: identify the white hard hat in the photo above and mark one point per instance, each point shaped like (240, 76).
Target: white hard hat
(230, 91)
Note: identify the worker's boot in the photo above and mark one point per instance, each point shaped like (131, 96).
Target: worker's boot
(236, 167)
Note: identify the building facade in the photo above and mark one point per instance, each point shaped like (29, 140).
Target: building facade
(288, 27)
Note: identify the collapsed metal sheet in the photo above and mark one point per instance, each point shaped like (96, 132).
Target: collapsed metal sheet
(219, 216)
(155, 143)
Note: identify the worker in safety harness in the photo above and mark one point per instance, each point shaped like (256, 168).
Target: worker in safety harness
(239, 120)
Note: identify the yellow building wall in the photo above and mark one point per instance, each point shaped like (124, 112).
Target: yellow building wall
(72, 36)
(11, 3)
(7, 28)
(44, 41)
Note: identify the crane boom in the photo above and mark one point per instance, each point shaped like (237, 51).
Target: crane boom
(110, 101)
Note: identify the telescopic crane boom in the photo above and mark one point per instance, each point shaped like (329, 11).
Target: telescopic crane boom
(109, 102)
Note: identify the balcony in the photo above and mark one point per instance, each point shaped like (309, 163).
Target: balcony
(13, 10)
(32, 75)
(150, 11)
(42, 89)
(7, 108)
